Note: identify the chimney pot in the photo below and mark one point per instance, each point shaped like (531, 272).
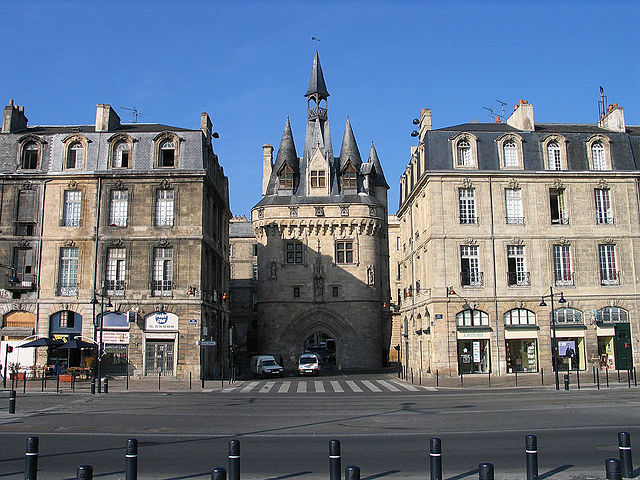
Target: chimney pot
(498, 120)
(520, 101)
(21, 108)
(11, 102)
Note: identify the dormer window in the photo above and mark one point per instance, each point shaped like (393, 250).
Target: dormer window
(167, 154)
(30, 153)
(75, 155)
(286, 178)
(318, 179)
(510, 154)
(554, 157)
(510, 151)
(599, 152)
(464, 154)
(122, 155)
(349, 178)
(464, 148)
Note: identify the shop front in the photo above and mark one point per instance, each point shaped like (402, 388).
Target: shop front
(521, 351)
(571, 349)
(66, 325)
(160, 341)
(17, 326)
(474, 352)
(115, 340)
(614, 346)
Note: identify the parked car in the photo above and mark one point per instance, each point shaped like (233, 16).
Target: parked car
(308, 364)
(265, 366)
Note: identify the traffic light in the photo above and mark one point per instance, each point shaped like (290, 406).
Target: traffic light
(9, 349)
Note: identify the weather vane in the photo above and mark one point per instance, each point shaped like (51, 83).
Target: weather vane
(315, 38)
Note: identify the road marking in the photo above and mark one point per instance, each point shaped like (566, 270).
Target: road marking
(249, 387)
(226, 390)
(370, 386)
(267, 386)
(284, 388)
(336, 386)
(353, 386)
(302, 387)
(319, 386)
(411, 388)
(388, 385)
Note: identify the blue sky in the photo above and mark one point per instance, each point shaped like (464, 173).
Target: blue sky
(248, 64)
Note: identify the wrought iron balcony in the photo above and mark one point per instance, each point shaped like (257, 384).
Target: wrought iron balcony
(611, 279)
(562, 220)
(564, 278)
(317, 112)
(161, 288)
(518, 279)
(114, 288)
(471, 279)
(469, 220)
(511, 220)
(67, 290)
(25, 282)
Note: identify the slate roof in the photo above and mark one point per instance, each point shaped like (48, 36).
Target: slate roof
(287, 150)
(349, 151)
(240, 230)
(124, 128)
(316, 81)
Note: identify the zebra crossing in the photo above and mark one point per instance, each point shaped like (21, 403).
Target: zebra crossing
(324, 386)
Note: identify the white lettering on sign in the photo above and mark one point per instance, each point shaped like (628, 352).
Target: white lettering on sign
(162, 321)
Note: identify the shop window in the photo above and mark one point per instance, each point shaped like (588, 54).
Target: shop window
(612, 315)
(568, 316)
(472, 318)
(519, 316)
(522, 355)
(473, 356)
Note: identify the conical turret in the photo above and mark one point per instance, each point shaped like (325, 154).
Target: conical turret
(317, 87)
(349, 151)
(373, 158)
(287, 151)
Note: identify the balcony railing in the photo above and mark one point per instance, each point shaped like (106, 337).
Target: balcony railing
(560, 220)
(67, 290)
(518, 279)
(469, 220)
(161, 288)
(114, 288)
(471, 279)
(22, 282)
(71, 222)
(610, 280)
(564, 278)
(317, 112)
(514, 220)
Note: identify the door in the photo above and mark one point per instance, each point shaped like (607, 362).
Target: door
(159, 358)
(622, 346)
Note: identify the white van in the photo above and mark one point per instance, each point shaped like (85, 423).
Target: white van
(265, 365)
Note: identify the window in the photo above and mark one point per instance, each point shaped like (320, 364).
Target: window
(335, 291)
(286, 177)
(255, 249)
(162, 284)
(255, 272)
(30, 153)
(294, 252)
(67, 319)
(23, 263)
(296, 291)
(562, 265)
(72, 208)
(349, 178)
(513, 205)
(467, 203)
(118, 208)
(68, 272)
(470, 274)
(317, 178)
(399, 271)
(612, 315)
(464, 154)
(116, 271)
(472, 318)
(166, 154)
(598, 156)
(25, 229)
(609, 274)
(517, 274)
(603, 206)
(519, 316)
(554, 158)
(121, 155)
(398, 243)
(510, 151)
(557, 207)
(164, 207)
(75, 155)
(344, 252)
(568, 315)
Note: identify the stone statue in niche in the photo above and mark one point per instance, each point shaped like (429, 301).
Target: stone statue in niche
(274, 270)
(318, 280)
(371, 275)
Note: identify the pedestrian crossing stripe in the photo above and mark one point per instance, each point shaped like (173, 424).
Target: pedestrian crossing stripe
(324, 386)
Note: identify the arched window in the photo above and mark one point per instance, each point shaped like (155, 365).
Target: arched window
(613, 315)
(568, 315)
(598, 156)
(510, 154)
(472, 318)
(286, 178)
(519, 316)
(554, 161)
(122, 155)
(29, 160)
(464, 154)
(75, 155)
(167, 154)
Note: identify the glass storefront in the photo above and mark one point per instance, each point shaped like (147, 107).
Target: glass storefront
(473, 356)
(571, 354)
(522, 355)
(605, 353)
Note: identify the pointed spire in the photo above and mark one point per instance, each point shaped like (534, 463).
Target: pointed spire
(373, 158)
(349, 151)
(287, 150)
(316, 82)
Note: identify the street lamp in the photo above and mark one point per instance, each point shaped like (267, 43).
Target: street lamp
(94, 301)
(554, 340)
(14, 277)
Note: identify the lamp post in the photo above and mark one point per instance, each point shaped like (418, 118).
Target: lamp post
(94, 301)
(554, 339)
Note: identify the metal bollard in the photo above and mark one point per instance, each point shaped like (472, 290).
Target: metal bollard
(578, 378)
(131, 461)
(12, 401)
(629, 377)
(106, 384)
(606, 371)
(42, 381)
(24, 383)
(31, 459)
(335, 460)
(516, 371)
(612, 469)
(594, 374)
(489, 378)
(234, 460)
(218, 473)
(352, 472)
(531, 450)
(485, 471)
(93, 385)
(437, 378)
(566, 381)
(542, 376)
(624, 447)
(85, 472)
(158, 380)
(598, 377)
(435, 459)
(58, 383)
(189, 380)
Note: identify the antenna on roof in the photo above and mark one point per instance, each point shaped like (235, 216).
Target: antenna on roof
(491, 114)
(502, 107)
(135, 113)
(602, 104)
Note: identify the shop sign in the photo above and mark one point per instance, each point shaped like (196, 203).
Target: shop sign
(161, 321)
(115, 337)
(193, 321)
(469, 334)
(476, 352)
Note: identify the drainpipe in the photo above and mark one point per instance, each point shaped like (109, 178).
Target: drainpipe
(495, 276)
(95, 255)
(42, 210)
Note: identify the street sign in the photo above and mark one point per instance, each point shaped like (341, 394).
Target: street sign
(207, 343)
(193, 321)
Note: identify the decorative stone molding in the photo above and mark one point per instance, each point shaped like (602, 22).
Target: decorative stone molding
(517, 241)
(470, 241)
(119, 185)
(261, 213)
(27, 185)
(519, 304)
(319, 211)
(603, 184)
(564, 242)
(165, 184)
(274, 269)
(72, 185)
(372, 211)
(467, 183)
(557, 184)
(164, 243)
(117, 243)
(293, 211)
(344, 211)
(513, 184)
(69, 243)
(371, 275)
(23, 243)
(608, 241)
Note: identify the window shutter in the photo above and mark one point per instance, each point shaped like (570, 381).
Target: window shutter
(27, 206)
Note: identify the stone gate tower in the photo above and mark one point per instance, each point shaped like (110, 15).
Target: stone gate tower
(321, 229)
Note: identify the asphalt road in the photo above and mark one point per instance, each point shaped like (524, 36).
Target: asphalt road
(282, 436)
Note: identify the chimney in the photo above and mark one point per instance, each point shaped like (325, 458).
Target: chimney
(613, 120)
(267, 166)
(13, 118)
(425, 121)
(107, 119)
(522, 116)
(206, 125)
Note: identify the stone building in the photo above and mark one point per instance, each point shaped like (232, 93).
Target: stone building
(129, 219)
(321, 229)
(395, 283)
(497, 217)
